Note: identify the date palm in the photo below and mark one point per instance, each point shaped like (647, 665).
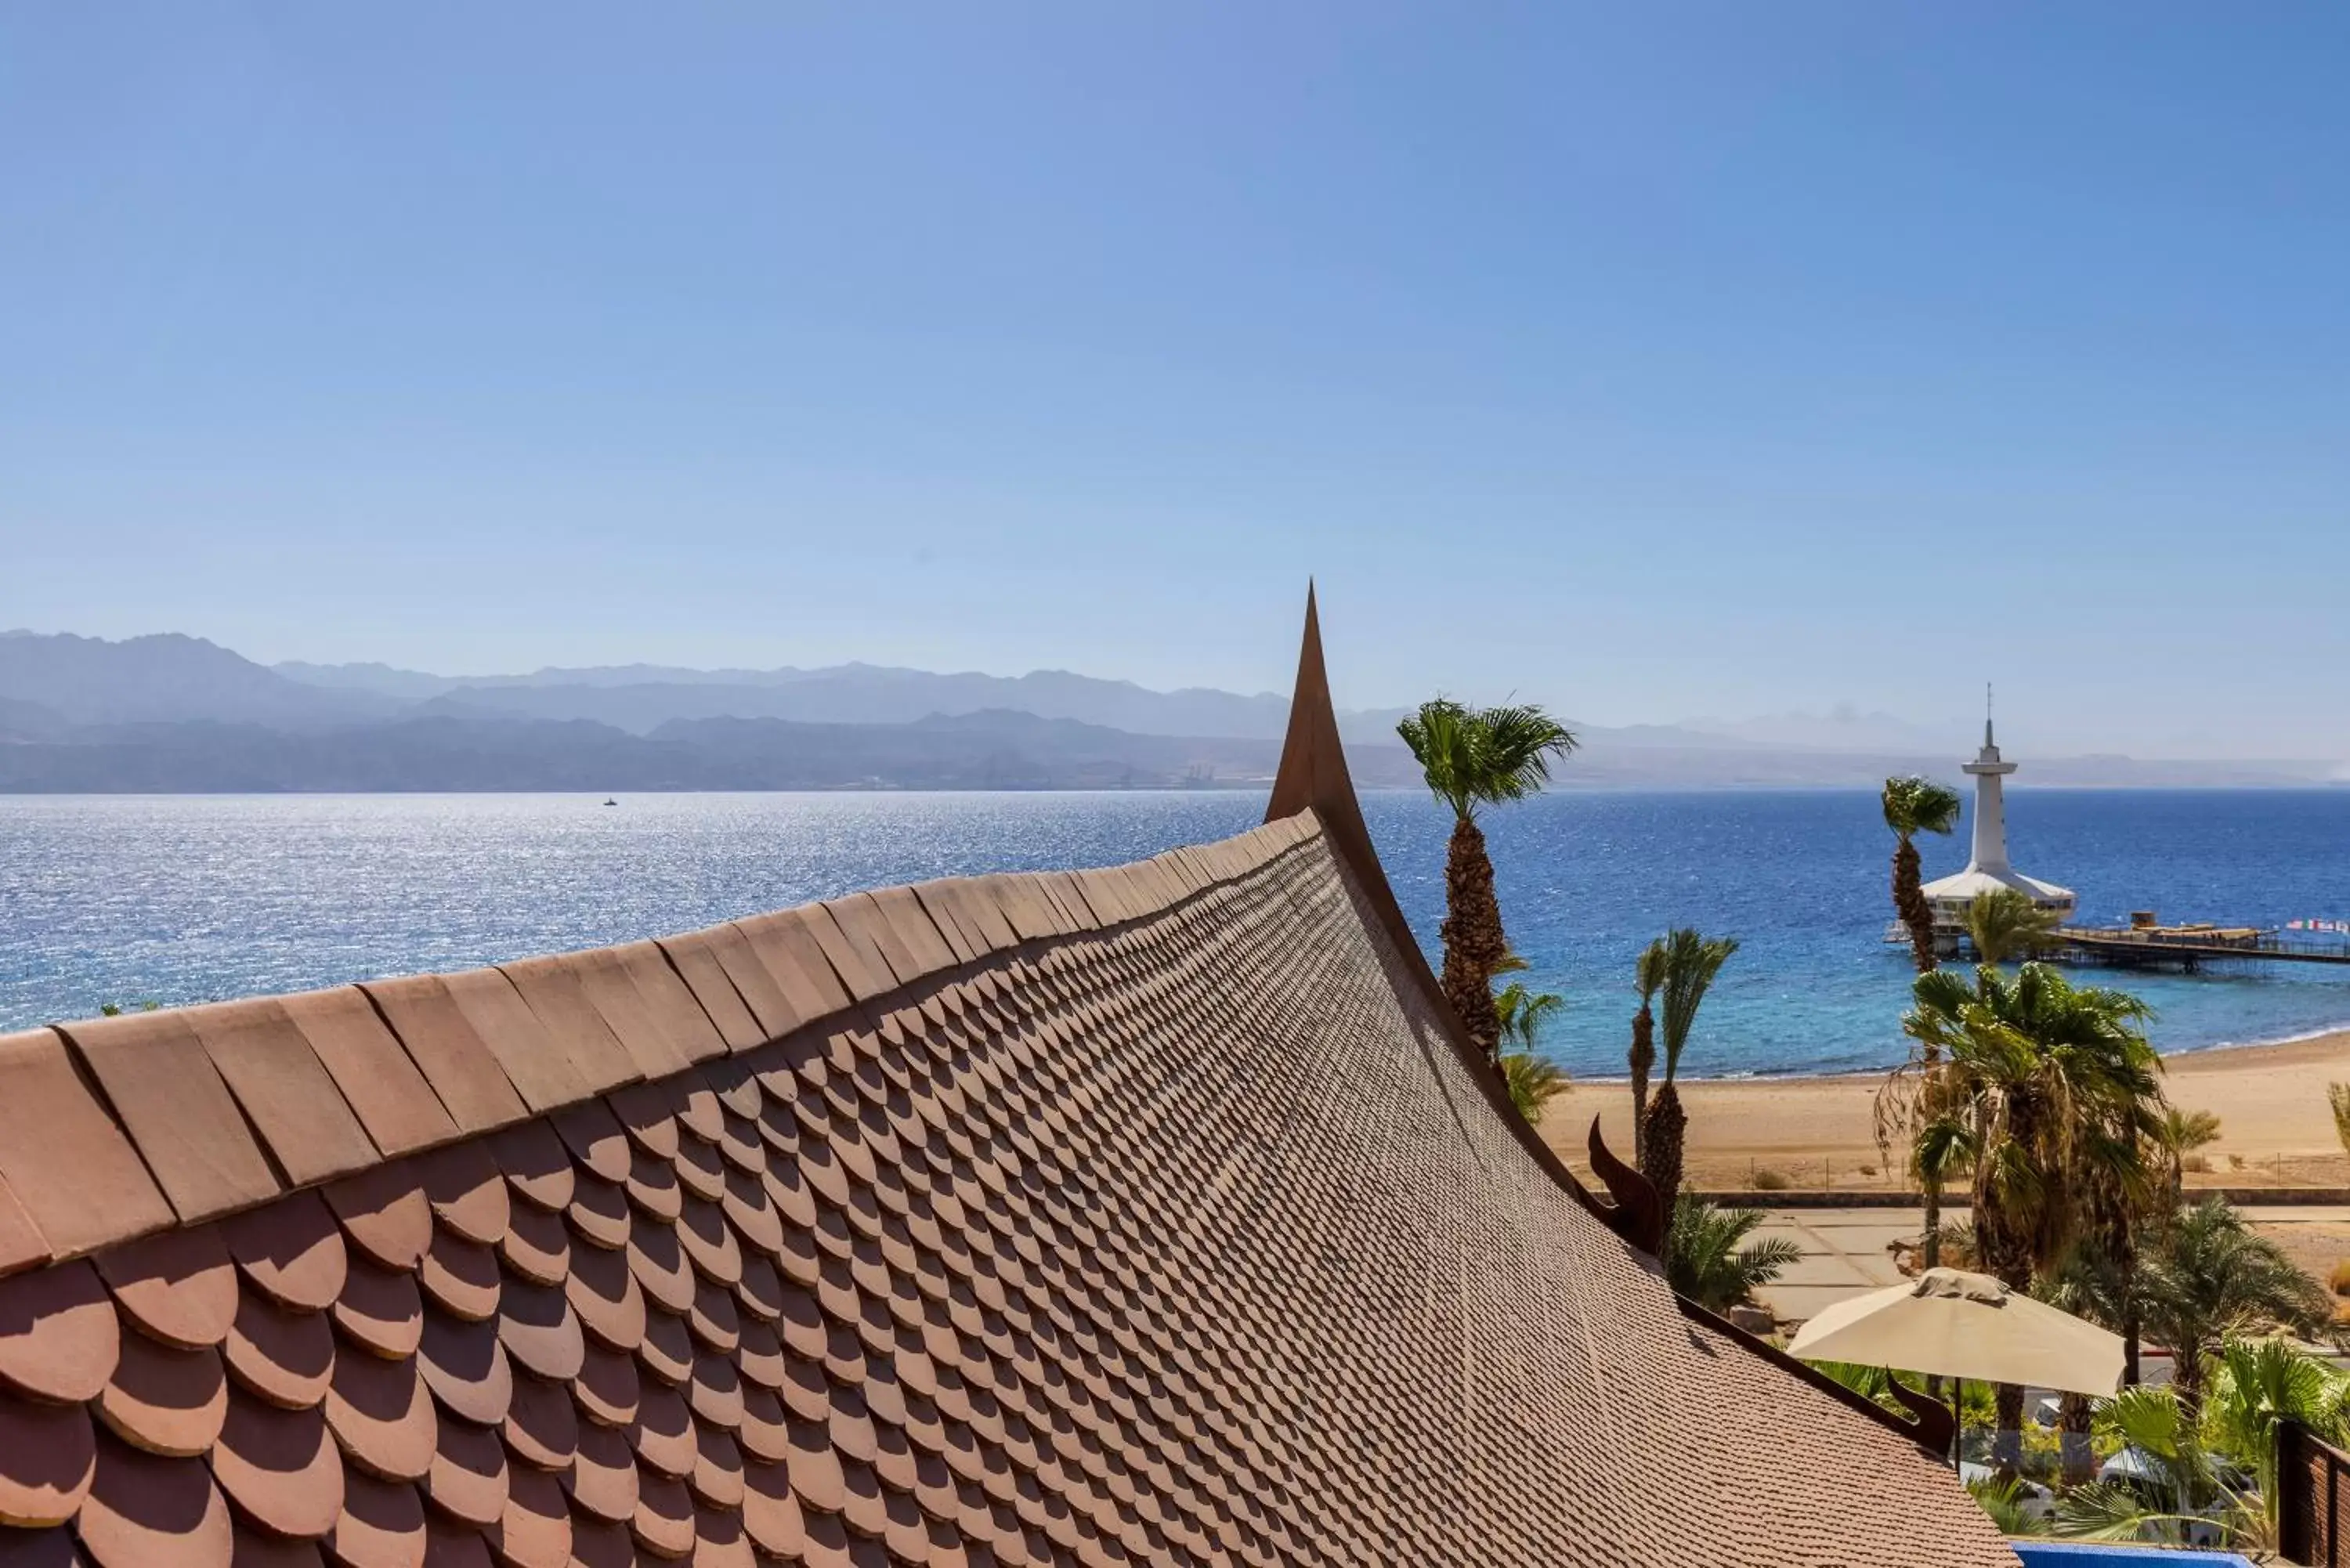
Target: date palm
(1473, 757)
(2213, 1276)
(1649, 976)
(1533, 1080)
(2036, 1085)
(1913, 805)
(2003, 923)
(1520, 1014)
(1688, 964)
(2183, 1134)
(2125, 1180)
(1708, 1259)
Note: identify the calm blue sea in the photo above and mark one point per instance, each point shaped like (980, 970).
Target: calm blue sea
(186, 898)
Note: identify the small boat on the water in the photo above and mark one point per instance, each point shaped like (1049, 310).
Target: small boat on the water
(609, 800)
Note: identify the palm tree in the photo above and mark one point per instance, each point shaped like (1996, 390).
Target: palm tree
(1651, 977)
(1913, 805)
(2184, 1132)
(1704, 1258)
(2257, 1385)
(1689, 964)
(2212, 1277)
(2004, 923)
(1532, 1079)
(2338, 1097)
(1520, 1014)
(1533, 1082)
(1473, 757)
(2034, 1085)
(2005, 1501)
(2178, 1486)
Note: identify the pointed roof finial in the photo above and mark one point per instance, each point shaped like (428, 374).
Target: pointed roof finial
(1313, 771)
(1312, 774)
(1987, 740)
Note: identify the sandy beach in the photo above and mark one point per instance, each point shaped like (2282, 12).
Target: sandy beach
(2275, 1128)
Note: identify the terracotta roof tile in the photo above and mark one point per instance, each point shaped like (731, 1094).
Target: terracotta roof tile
(382, 1524)
(771, 1006)
(293, 1251)
(165, 1400)
(379, 1082)
(554, 990)
(537, 1064)
(280, 1467)
(671, 1002)
(852, 957)
(696, 962)
(466, 1078)
(284, 1088)
(147, 1511)
(176, 1286)
(179, 1116)
(58, 1334)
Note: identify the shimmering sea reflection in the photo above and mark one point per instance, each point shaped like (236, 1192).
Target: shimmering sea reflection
(186, 898)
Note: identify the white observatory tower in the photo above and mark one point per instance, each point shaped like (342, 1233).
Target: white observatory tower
(1987, 865)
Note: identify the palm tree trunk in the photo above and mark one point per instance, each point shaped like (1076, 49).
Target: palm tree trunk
(1917, 915)
(2080, 1459)
(1474, 944)
(2133, 1326)
(2003, 1256)
(1662, 1147)
(1910, 903)
(2007, 1431)
(1642, 1058)
(2187, 1382)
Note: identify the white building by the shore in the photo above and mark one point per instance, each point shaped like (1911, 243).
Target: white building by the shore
(1987, 865)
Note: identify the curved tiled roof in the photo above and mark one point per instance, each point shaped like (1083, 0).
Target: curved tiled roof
(1151, 1214)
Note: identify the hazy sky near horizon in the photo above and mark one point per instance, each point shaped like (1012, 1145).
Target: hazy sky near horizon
(1653, 361)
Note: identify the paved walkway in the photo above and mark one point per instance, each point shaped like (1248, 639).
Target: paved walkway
(1845, 1252)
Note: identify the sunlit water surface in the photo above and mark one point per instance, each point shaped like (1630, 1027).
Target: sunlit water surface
(186, 898)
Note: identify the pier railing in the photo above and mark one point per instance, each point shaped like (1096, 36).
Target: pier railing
(2122, 942)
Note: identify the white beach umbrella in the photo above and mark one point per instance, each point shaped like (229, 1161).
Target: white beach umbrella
(1951, 1324)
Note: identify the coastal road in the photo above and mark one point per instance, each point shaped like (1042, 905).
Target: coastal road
(1846, 1251)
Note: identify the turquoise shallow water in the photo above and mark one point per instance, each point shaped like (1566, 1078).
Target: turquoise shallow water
(185, 898)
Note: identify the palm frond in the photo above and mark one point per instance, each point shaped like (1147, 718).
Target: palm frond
(1708, 1259)
(1913, 805)
(1533, 1082)
(2338, 1097)
(1690, 963)
(2003, 923)
(2108, 1510)
(1473, 757)
(2003, 1500)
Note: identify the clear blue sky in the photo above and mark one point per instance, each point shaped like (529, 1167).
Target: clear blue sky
(1653, 360)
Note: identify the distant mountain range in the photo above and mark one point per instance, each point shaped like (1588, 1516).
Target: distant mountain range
(175, 713)
(641, 697)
